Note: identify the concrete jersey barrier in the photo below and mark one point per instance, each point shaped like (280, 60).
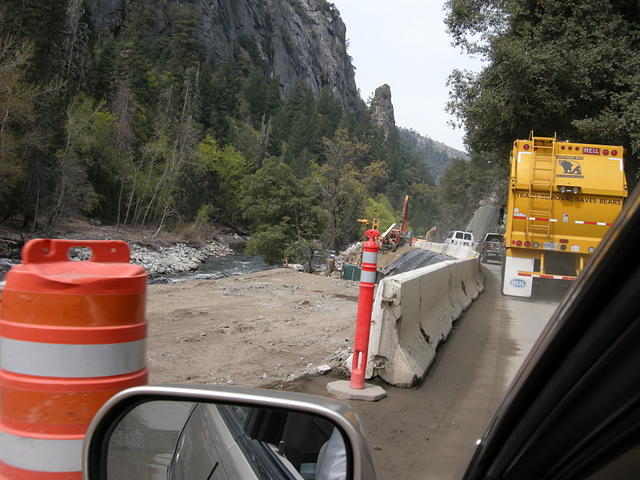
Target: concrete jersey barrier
(455, 251)
(413, 312)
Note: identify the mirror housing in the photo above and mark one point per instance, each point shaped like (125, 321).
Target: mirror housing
(340, 414)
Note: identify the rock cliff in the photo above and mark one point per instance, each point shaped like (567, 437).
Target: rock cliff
(296, 39)
(382, 109)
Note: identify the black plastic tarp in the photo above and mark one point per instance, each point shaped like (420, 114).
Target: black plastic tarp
(413, 259)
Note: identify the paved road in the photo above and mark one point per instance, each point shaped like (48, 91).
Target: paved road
(429, 432)
(484, 221)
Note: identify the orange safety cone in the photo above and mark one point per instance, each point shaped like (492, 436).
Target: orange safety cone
(72, 334)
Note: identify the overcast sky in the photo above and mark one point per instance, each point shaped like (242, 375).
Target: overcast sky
(404, 43)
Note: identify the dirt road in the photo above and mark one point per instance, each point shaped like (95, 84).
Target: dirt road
(483, 221)
(254, 330)
(429, 432)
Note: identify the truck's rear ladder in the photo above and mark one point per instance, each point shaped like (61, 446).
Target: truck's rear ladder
(541, 188)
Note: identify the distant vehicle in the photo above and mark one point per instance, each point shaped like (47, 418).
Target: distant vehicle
(491, 247)
(458, 237)
(562, 199)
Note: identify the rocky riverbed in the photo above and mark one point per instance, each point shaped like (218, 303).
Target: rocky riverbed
(179, 258)
(165, 257)
(162, 260)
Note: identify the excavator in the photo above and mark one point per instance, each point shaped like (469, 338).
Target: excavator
(394, 236)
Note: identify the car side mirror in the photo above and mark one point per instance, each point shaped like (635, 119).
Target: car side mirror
(180, 433)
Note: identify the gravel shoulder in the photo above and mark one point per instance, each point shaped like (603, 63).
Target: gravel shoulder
(261, 329)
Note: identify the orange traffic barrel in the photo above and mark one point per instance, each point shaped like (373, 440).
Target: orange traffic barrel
(72, 334)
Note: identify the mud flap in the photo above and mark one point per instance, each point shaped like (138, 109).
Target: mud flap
(514, 285)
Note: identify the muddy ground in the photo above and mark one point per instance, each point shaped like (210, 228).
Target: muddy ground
(260, 329)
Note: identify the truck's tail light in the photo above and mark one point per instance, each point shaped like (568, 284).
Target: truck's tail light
(526, 146)
(527, 244)
(564, 240)
(518, 243)
(536, 244)
(591, 249)
(563, 247)
(605, 152)
(575, 190)
(614, 152)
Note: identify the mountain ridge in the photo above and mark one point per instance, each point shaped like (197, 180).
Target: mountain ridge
(436, 155)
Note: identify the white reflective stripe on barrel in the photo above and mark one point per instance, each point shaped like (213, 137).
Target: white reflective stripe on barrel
(367, 277)
(41, 455)
(369, 257)
(71, 361)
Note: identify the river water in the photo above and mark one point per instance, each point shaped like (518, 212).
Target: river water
(230, 265)
(236, 264)
(218, 267)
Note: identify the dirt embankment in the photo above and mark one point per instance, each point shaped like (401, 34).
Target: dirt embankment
(260, 329)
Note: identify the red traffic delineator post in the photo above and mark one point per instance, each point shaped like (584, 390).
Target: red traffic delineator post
(365, 307)
(357, 389)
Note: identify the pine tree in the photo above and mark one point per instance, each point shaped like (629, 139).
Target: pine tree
(17, 118)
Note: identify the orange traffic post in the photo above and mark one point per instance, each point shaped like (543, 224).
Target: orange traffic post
(365, 307)
(356, 388)
(72, 334)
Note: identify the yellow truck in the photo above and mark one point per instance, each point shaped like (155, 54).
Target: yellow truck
(563, 197)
